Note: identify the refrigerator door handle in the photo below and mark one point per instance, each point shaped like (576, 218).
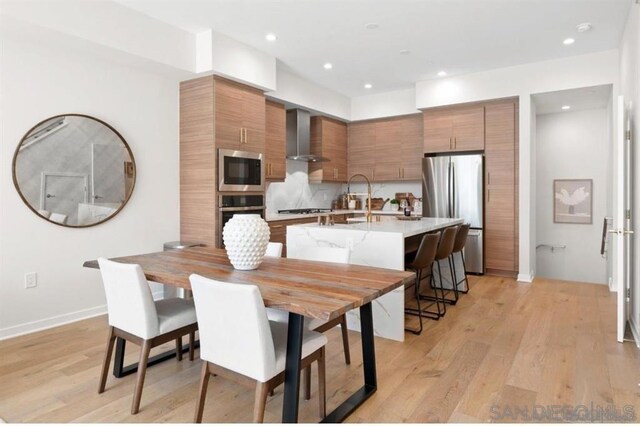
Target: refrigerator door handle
(449, 190)
(453, 189)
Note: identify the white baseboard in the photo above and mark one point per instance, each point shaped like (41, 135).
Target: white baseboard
(636, 332)
(57, 321)
(525, 278)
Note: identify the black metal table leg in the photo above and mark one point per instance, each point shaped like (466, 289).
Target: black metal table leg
(119, 370)
(369, 366)
(292, 369)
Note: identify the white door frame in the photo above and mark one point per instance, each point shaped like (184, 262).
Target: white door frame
(43, 181)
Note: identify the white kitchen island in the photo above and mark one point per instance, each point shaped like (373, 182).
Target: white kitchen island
(378, 244)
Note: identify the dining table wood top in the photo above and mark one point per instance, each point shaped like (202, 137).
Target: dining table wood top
(313, 289)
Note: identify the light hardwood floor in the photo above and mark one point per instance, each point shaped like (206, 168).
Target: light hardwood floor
(504, 345)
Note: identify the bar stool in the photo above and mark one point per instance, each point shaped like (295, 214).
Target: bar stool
(458, 247)
(424, 258)
(445, 249)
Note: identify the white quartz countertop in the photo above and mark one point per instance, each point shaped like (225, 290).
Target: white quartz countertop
(407, 228)
(272, 217)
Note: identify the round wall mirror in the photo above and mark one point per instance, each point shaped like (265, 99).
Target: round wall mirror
(74, 170)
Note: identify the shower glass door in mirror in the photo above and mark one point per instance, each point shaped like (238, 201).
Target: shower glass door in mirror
(74, 170)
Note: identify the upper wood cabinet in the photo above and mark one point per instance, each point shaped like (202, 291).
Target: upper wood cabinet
(239, 116)
(214, 113)
(276, 142)
(329, 140)
(501, 187)
(362, 155)
(453, 129)
(388, 149)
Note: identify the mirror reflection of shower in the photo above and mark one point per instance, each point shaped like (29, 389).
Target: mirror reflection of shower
(74, 170)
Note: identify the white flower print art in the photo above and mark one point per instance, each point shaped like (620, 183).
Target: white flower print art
(573, 201)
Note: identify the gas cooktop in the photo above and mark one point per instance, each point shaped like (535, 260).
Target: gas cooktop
(305, 211)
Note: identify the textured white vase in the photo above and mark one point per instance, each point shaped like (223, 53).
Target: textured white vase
(246, 237)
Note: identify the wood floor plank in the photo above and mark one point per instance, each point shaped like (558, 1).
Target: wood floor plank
(504, 343)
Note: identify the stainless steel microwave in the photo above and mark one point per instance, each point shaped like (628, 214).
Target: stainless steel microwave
(240, 171)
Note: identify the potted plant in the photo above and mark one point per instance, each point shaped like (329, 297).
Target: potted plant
(394, 204)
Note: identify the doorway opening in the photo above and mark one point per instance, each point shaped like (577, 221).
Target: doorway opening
(574, 181)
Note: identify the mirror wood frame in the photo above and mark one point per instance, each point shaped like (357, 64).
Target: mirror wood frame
(122, 139)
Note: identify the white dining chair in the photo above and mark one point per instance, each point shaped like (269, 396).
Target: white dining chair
(319, 254)
(274, 249)
(136, 317)
(58, 218)
(44, 213)
(250, 346)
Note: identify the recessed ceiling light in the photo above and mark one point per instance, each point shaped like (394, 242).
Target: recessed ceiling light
(271, 37)
(328, 66)
(371, 25)
(566, 107)
(568, 41)
(584, 27)
(442, 73)
(404, 51)
(368, 86)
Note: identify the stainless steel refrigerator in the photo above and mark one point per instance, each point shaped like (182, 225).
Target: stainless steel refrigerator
(452, 187)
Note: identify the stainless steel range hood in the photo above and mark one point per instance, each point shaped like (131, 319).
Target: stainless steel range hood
(299, 136)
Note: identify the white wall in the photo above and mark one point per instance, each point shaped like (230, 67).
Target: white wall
(572, 145)
(294, 89)
(41, 80)
(109, 24)
(387, 104)
(523, 81)
(630, 88)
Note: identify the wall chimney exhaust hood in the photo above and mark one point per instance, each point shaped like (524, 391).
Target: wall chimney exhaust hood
(299, 136)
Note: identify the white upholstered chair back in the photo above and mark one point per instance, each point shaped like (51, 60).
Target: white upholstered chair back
(234, 329)
(274, 250)
(130, 304)
(324, 254)
(58, 218)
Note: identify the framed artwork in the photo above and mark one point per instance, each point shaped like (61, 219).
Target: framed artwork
(573, 201)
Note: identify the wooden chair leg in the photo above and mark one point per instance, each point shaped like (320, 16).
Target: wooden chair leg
(192, 338)
(262, 390)
(179, 348)
(202, 395)
(307, 383)
(142, 370)
(345, 339)
(107, 360)
(322, 389)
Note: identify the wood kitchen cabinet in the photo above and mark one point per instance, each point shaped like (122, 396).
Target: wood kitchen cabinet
(501, 187)
(329, 140)
(214, 113)
(361, 148)
(239, 116)
(454, 129)
(388, 149)
(276, 142)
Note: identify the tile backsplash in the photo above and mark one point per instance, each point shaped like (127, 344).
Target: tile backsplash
(296, 191)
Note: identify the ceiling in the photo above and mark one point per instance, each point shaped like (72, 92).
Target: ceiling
(457, 36)
(578, 99)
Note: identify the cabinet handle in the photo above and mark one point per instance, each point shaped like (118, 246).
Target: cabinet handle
(488, 196)
(488, 178)
(276, 226)
(241, 135)
(450, 143)
(245, 135)
(455, 143)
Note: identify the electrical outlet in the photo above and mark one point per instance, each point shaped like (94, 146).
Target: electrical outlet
(30, 280)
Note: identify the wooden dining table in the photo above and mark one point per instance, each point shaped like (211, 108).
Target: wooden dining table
(301, 287)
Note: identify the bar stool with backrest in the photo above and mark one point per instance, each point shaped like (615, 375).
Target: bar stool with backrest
(319, 254)
(238, 342)
(423, 262)
(445, 248)
(136, 317)
(458, 247)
